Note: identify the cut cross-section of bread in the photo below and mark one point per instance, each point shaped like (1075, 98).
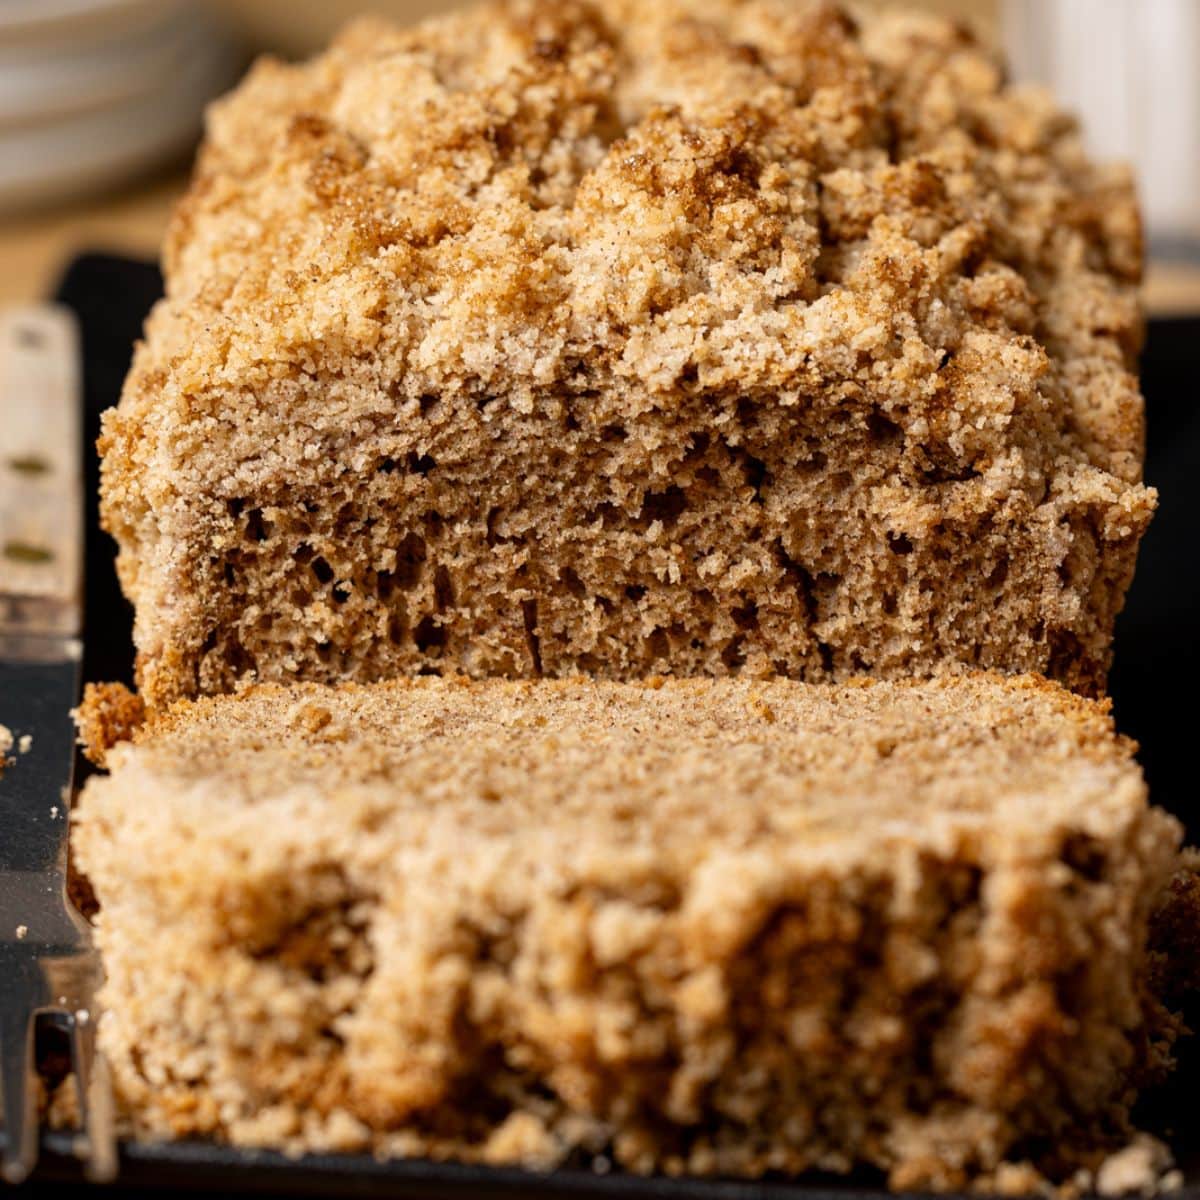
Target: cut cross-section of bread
(715, 926)
(602, 337)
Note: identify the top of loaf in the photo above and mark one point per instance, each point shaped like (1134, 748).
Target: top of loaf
(607, 196)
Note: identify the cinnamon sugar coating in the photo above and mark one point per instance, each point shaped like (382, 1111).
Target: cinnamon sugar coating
(618, 338)
(719, 926)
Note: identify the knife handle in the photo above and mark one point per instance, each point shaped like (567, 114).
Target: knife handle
(41, 483)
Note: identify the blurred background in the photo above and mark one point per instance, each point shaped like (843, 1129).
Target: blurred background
(305, 24)
(100, 108)
(301, 26)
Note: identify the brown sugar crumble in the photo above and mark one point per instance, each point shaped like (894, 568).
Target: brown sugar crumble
(108, 713)
(627, 338)
(901, 924)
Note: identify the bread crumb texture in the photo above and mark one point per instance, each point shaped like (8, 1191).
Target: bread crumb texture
(895, 924)
(1141, 1168)
(618, 338)
(107, 714)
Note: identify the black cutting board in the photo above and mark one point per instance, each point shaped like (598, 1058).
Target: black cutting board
(1158, 646)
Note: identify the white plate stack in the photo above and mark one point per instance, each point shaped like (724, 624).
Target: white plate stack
(94, 91)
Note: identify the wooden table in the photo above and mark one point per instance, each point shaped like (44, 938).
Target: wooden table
(35, 248)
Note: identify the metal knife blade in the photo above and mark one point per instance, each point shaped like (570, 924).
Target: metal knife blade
(48, 965)
(41, 568)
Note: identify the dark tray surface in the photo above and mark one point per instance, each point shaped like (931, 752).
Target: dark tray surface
(203, 1167)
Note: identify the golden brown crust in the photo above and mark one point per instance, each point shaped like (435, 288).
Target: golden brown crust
(108, 713)
(720, 926)
(616, 337)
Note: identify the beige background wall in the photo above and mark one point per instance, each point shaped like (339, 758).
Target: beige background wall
(296, 27)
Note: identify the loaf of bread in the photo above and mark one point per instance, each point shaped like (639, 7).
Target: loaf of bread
(713, 925)
(602, 336)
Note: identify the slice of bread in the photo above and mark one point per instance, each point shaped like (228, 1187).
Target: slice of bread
(715, 926)
(615, 338)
